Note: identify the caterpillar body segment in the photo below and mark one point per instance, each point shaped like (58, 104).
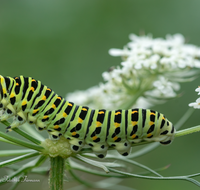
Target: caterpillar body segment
(28, 100)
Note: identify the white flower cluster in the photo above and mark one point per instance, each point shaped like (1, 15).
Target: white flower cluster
(172, 52)
(196, 104)
(149, 73)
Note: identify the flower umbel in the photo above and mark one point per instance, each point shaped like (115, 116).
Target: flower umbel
(196, 104)
(150, 73)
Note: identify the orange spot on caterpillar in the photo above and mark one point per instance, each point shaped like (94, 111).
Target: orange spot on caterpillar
(134, 123)
(149, 135)
(46, 116)
(34, 111)
(57, 126)
(44, 98)
(151, 123)
(4, 91)
(94, 138)
(133, 136)
(64, 114)
(80, 120)
(32, 89)
(98, 124)
(24, 103)
(74, 133)
(117, 124)
(134, 112)
(118, 113)
(12, 95)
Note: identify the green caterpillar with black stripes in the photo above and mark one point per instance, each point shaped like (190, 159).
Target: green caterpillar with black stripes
(28, 100)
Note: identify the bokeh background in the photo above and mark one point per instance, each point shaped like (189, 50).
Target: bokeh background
(65, 44)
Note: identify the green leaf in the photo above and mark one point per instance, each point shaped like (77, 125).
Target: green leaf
(6, 141)
(27, 136)
(25, 168)
(30, 130)
(81, 167)
(157, 178)
(77, 178)
(4, 153)
(21, 142)
(92, 162)
(184, 118)
(18, 159)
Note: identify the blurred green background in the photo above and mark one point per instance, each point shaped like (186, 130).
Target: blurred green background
(65, 45)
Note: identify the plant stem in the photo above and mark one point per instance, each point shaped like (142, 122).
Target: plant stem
(21, 142)
(56, 173)
(187, 131)
(184, 118)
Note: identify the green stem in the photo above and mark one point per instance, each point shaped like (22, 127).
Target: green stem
(6, 141)
(130, 103)
(27, 136)
(21, 142)
(15, 152)
(18, 159)
(56, 173)
(77, 178)
(187, 131)
(6, 123)
(184, 118)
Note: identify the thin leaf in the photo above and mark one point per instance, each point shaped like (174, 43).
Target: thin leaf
(25, 168)
(157, 178)
(30, 130)
(144, 150)
(27, 136)
(4, 153)
(81, 167)
(41, 170)
(21, 142)
(15, 184)
(79, 179)
(18, 159)
(92, 162)
(6, 141)
(119, 157)
(184, 118)
(6, 123)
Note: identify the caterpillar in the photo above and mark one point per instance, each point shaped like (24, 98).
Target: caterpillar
(28, 100)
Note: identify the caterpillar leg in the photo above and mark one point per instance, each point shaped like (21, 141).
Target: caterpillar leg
(54, 135)
(76, 144)
(99, 149)
(167, 140)
(7, 113)
(123, 148)
(18, 120)
(41, 125)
